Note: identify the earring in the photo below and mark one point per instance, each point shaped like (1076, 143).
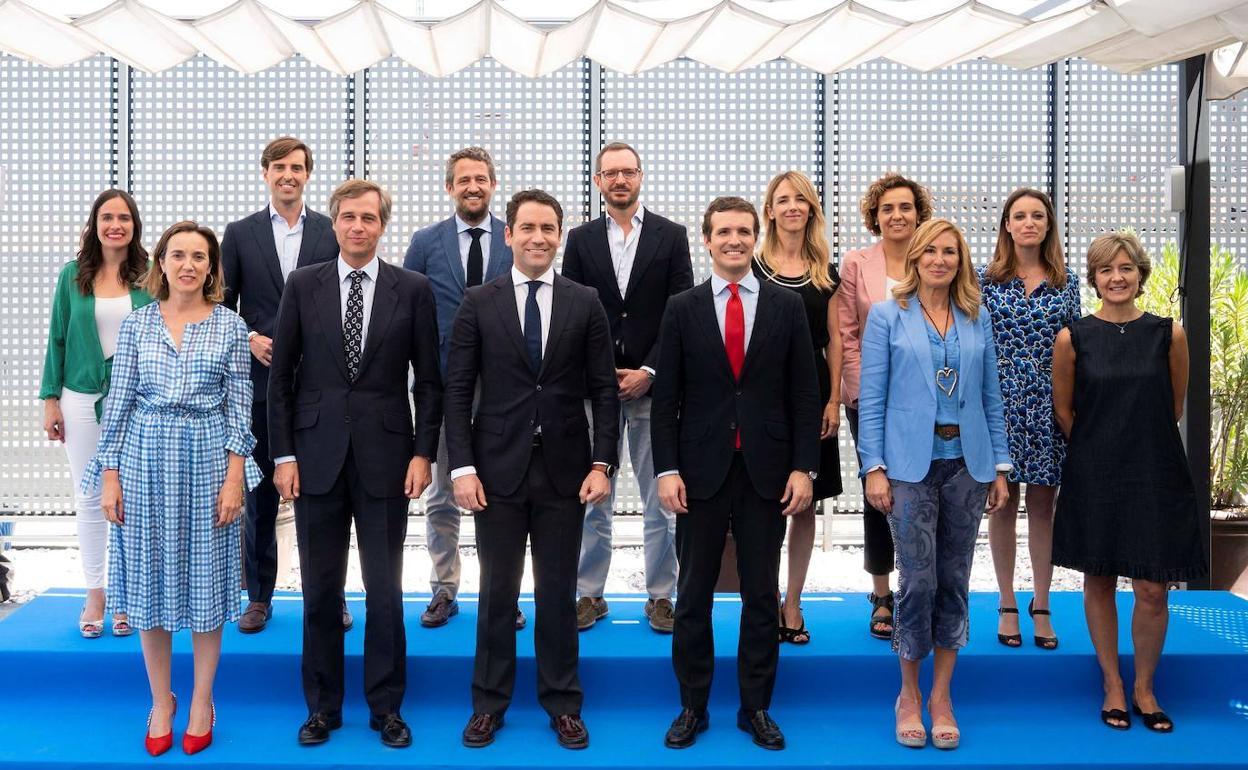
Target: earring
(208, 283)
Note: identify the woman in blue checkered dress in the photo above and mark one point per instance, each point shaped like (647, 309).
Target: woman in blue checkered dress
(174, 457)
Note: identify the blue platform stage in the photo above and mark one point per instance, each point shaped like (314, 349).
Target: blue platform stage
(70, 702)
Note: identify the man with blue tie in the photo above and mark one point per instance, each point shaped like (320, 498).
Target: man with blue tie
(466, 250)
(735, 427)
(258, 255)
(538, 346)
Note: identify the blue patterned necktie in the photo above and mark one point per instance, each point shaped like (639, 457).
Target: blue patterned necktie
(533, 328)
(353, 324)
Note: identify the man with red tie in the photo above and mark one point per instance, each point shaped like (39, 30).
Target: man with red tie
(735, 427)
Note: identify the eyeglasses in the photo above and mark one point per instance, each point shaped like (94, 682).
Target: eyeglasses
(629, 174)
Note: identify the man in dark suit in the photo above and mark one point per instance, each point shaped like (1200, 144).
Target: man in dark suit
(636, 259)
(345, 450)
(455, 254)
(258, 254)
(736, 445)
(537, 345)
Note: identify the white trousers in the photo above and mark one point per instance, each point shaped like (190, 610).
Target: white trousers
(82, 435)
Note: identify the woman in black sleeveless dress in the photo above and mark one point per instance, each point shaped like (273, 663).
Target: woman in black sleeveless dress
(795, 254)
(1127, 505)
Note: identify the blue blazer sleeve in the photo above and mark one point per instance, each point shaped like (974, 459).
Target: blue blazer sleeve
(873, 387)
(415, 259)
(994, 409)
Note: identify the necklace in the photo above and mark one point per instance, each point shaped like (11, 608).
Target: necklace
(946, 376)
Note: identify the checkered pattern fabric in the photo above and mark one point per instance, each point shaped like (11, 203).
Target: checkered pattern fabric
(170, 419)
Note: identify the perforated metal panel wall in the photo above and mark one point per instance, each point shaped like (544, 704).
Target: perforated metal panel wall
(197, 131)
(1228, 173)
(536, 131)
(702, 133)
(56, 155)
(1122, 137)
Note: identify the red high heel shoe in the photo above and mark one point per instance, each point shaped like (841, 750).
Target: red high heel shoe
(193, 744)
(158, 746)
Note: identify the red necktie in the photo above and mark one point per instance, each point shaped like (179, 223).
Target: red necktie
(734, 337)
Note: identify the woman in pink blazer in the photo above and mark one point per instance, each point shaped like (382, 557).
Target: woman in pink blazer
(892, 208)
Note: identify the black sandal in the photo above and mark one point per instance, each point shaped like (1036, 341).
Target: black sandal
(1157, 721)
(878, 603)
(1043, 642)
(1009, 640)
(1118, 715)
(798, 636)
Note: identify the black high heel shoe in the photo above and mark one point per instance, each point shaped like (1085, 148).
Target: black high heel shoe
(1009, 640)
(1157, 721)
(1043, 642)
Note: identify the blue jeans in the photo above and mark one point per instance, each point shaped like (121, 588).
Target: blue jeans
(935, 523)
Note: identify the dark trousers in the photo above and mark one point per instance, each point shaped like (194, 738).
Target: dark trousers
(758, 530)
(323, 524)
(877, 538)
(260, 525)
(553, 523)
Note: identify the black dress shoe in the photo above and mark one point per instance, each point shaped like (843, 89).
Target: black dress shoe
(316, 729)
(393, 729)
(762, 728)
(480, 730)
(571, 731)
(685, 728)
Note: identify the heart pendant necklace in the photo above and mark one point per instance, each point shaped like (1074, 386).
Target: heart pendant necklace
(946, 376)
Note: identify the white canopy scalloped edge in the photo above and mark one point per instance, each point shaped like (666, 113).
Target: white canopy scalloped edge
(1124, 35)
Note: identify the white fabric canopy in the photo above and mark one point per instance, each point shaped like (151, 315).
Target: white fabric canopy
(732, 35)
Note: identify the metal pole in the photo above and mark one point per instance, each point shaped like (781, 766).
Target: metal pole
(1194, 282)
(1059, 139)
(595, 108)
(123, 127)
(359, 143)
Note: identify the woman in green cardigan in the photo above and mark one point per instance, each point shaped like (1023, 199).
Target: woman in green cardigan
(94, 293)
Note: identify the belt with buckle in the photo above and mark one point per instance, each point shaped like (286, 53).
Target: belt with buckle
(947, 432)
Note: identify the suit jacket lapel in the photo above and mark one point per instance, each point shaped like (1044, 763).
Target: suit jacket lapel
(647, 245)
(600, 256)
(450, 249)
(764, 314)
(967, 330)
(262, 230)
(329, 310)
(505, 306)
(311, 237)
(560, 308)
(500, 255)
(704, 309)
(916, 334)
(385, 297)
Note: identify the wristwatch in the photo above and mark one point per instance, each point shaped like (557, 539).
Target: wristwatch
(252, 333)
(607, 468)
(813, 475)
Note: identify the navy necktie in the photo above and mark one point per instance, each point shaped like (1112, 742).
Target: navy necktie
(353, 324)
(475, 269)
(533, 328)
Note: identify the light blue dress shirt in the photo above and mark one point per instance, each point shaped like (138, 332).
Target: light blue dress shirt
(287, 239)
(465, 241)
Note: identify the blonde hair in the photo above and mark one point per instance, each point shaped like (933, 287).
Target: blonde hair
(815, 249)
(155, 284)
(1104, 250)
(357, 188)
(1005, 260)
(964, 291)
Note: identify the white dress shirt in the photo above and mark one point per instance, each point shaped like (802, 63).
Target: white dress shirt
(368, 287)
(287, 239)
(624, 248)
(465, 242)
(545, 297)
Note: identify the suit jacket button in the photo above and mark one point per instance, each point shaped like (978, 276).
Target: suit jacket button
(539, 388)
(347, 419)
(624, 314)
(732, 426)
(738, 392)
(962, 403)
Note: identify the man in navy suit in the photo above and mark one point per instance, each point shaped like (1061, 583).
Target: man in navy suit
(736, 446)
(466, 250)
(636, 259)
(258, 254)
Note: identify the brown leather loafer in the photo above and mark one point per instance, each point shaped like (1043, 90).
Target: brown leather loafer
(255, 617)
(347, 620)
(480, 730)
(521, 620)
(570, 730)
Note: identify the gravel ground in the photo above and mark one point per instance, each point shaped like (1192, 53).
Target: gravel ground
(836, 570)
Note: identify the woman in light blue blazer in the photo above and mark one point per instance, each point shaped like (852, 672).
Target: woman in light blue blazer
(928, 359)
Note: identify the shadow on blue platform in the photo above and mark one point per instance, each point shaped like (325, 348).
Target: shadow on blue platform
(70, 702)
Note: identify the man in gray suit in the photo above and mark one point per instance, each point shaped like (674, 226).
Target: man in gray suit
(466, 250)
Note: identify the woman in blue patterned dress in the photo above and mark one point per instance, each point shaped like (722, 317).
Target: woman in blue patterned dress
(174, 456)
(1031, 295)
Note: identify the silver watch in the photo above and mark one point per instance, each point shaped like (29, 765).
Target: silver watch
(814, 475)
